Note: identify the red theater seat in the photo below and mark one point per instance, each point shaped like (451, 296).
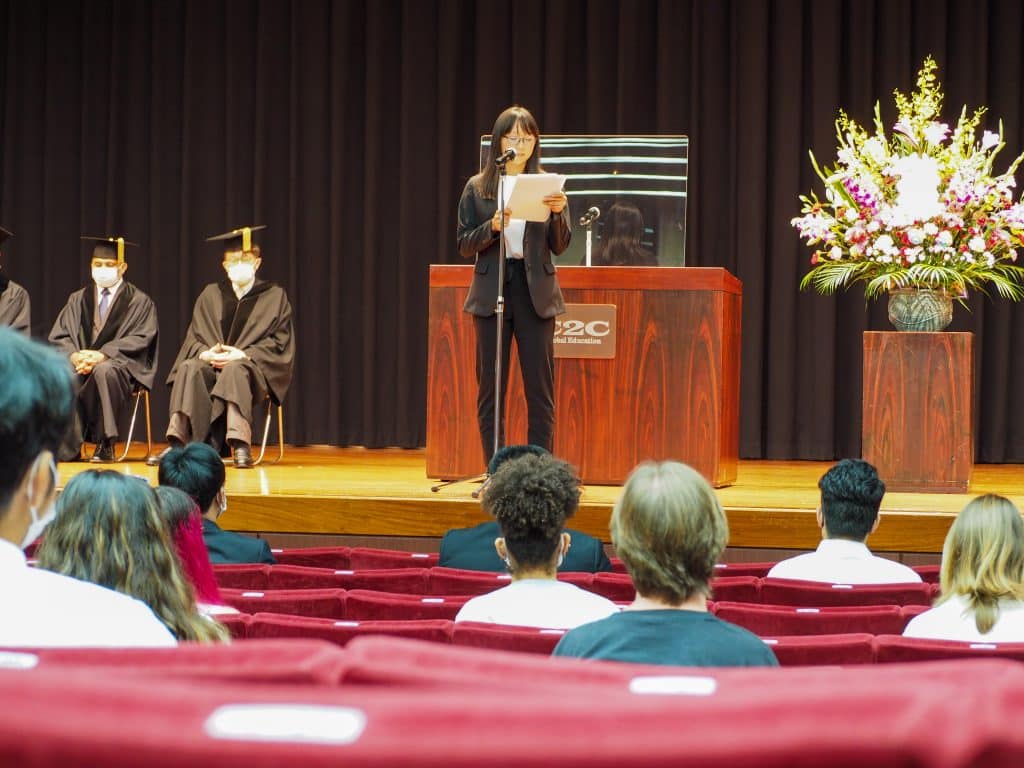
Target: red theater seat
(760, 570)
(816, 650)
(458, 581)
(327, 603)
(506, 638)
(896, 648)
(237, 623)
(772, 620)
(814, 594)
(740, 589)
(367, 605)
(617, 565)
(368, 557)
(407, 580)
(928, 573)
(274, 626)
(314, 557)
(241, 576)
(617, 587)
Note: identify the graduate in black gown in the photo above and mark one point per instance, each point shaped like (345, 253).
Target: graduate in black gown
(15, 308)
(109, 332)
(238, 349)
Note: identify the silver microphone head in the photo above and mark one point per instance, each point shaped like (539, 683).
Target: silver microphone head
(592, 215)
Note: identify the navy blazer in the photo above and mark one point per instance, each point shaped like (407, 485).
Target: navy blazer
(473, 549)
(541, 239)
(229, 547)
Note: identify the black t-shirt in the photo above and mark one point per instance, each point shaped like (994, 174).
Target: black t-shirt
(672, 637)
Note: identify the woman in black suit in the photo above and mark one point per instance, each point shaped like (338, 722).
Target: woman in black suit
(532, 296)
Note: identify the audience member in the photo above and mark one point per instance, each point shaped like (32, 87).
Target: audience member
(108, 530)
(197, 470)
(851, 493)
(185, 524)
(532, 497)
(41, 608)
(669, 530)
(473, 548)
(15, 305)
(982, 577)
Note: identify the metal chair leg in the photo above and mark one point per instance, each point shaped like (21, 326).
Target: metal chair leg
(131, 426)
(266, 434)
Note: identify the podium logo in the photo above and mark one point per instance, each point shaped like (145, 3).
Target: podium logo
(586, 330)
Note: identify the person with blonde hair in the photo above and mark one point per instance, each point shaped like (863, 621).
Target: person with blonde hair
(109, 530)
(669, 529)
(982, 577)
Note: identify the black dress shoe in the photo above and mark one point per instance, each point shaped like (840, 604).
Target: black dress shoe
(242, 456)
(156, 458)
(104, 453)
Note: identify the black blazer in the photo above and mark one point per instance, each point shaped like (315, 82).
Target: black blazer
(541, 239)
(229, 547)
(473, 549)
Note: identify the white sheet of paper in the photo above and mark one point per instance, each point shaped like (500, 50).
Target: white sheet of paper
(529, 192)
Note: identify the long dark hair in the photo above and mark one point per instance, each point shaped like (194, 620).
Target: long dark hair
(620, 240)
(513, 117)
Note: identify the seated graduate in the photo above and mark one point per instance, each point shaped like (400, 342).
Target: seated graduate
(669, 530)
(198, 471)
(185, 524)
(532, 497)
(621, 236)
(40, 608)
(473, 548)
(851, 494)
(982, 577)
(109, 332)
(238, 348)
(108, 530)
(15, 307)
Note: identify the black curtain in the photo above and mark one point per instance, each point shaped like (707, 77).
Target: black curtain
(350, 128)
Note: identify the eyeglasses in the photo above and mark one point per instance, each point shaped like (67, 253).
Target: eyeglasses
(519, 140)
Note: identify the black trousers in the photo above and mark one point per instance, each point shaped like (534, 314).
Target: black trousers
(535, 346)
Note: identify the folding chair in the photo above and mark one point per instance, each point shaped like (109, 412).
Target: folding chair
(140, 394)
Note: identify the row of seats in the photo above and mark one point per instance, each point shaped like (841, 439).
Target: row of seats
(360, 558)
(851, 647)
(615, 586)
(389, 701)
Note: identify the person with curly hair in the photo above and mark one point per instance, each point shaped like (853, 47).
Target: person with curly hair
(669, 529)
(108, 530)
(982, 577)
(851, 494)
(181, 514)
(531, 497)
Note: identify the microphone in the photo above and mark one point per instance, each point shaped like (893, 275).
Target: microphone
(504, 157)
(593, 214)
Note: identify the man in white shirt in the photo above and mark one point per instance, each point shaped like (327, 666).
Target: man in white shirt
(39, 608)
(851, 493)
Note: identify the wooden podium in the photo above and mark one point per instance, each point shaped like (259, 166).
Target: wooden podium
(670, 392)
(918, 409)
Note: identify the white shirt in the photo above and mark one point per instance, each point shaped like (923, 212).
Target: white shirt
(516, 228)
(40, 608)
(953, 620)
(113, 292)
(538, 603)
(242, 289)
(841, 561)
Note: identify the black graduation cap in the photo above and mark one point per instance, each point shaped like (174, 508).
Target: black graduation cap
(237, 239)
(4, 234)
(108, 247)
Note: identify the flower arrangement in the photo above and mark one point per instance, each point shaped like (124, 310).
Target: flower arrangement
(918, 209)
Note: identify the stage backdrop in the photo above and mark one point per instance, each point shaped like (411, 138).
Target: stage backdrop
(350, 128)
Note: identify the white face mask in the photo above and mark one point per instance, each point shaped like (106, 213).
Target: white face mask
(39, 522)
(241, 273)
(104, 277)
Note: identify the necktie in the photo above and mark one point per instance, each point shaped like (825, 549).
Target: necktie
(104, 305)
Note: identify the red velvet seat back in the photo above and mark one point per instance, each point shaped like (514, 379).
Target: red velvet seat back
(361, 558)
(274, 626)
(506, 638)
(406, 580)
(314, 557)
(327, 603)
(813, 594)
(772, 620)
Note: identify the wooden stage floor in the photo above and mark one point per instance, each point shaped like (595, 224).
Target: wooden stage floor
(359, 492)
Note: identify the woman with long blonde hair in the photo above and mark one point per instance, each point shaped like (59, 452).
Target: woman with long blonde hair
(982, 577)
(108, 530)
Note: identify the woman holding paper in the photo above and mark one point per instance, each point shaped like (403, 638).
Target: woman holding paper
(532, 297)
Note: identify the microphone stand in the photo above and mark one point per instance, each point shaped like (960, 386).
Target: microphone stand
(590, 224)
(499, 314)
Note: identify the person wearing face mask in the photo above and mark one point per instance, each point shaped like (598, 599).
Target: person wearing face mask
(238, 349)
(109, 332)
(41, 608)
(15, 307)
(197, 470)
